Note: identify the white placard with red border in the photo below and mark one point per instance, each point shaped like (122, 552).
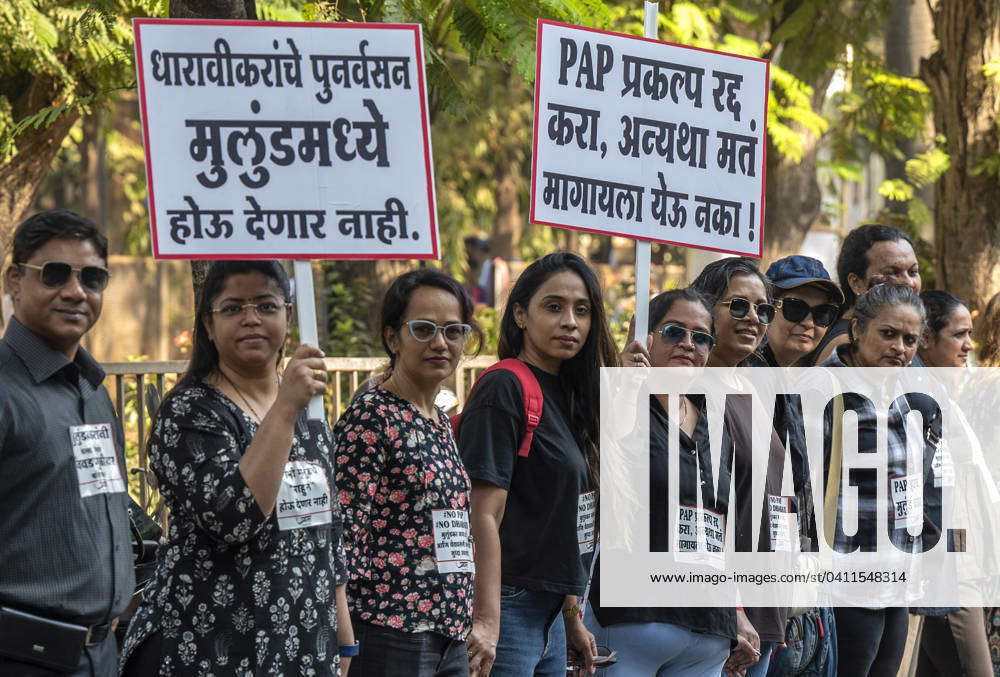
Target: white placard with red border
(286, 140)
(649, 140)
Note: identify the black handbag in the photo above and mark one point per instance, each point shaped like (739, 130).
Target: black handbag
(39, 641)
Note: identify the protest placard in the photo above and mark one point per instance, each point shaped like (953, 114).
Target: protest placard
(286, 140)
(649, 140)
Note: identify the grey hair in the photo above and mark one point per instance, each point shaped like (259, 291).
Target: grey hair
(871, 303)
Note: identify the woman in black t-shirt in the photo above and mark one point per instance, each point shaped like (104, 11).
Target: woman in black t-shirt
(676, 641)
(533, 516)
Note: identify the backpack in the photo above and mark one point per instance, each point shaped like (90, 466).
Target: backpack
(810, 646)
(531, 393)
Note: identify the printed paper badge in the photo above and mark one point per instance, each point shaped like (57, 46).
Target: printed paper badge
(303, 497)
(586, 521)
(452, 541)
(97, 466)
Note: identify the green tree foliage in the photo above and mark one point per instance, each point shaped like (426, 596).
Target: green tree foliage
(62, 57)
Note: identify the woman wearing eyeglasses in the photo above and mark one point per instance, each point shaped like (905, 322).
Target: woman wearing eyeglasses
(250, 580)
(740, 299)
(674, 641)
(405, 492)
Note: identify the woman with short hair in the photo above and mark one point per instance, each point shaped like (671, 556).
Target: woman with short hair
(742, 308)
(673, 641)
(885, 331)
(405, 493)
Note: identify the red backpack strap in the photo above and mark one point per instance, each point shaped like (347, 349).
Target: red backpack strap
(531, 393)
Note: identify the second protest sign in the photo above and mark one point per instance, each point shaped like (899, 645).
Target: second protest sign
(649, 140)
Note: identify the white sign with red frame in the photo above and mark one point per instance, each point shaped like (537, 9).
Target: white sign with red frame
(286, 140)
(649, 140)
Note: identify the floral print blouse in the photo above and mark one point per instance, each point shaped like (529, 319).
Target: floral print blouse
(394, 468)
(233, 594)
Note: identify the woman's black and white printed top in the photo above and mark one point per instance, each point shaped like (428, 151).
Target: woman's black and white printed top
(237, 592)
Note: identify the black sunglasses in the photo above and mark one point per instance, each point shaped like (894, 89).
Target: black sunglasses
(671, 333)
(55, 274)
(796, 310)
(739, 308)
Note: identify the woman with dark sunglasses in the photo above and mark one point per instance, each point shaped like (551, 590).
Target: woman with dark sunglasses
(808, 303)
(405, 493)
(740, 299)
(674, 641)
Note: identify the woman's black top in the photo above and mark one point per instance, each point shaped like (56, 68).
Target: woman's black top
(238, 592)
(716, 621)
(547, 491)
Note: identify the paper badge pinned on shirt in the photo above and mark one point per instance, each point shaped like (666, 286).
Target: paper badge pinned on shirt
(303, 497)
(97, 466)
(452, 542)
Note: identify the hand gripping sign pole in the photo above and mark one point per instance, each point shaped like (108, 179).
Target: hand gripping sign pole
(305, 306)
(642, 247)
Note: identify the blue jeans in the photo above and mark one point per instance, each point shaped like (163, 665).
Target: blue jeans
(759, 669)
(532, 635)
(660, 649)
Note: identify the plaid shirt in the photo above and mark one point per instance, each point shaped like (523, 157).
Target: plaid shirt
(865, 480)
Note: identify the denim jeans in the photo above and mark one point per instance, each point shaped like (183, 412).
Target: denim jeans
(759, 669)
(386, 652)
(660, 649)
(532, 636)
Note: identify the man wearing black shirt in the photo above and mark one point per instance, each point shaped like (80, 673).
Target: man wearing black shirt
(64, 535)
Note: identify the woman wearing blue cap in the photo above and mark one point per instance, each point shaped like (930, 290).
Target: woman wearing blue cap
(809, 302)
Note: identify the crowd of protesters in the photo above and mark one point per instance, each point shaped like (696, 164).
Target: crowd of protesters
(398, 542)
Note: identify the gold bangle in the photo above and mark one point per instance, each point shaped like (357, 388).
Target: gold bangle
(572, 612)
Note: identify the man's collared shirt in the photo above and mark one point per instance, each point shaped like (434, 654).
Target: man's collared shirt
(61, 556)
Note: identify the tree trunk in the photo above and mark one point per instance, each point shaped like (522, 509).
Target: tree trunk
(966, 105)
(792, 192)
(909, 37)
(209, 9)
(23, 175)
(21, 178)
(509, 224)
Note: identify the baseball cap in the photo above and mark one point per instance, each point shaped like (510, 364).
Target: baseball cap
(797, 271)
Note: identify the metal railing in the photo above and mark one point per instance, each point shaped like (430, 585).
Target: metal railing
(137, 389)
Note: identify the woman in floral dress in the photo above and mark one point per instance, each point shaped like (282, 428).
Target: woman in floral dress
(250, 578)
(405, 493)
